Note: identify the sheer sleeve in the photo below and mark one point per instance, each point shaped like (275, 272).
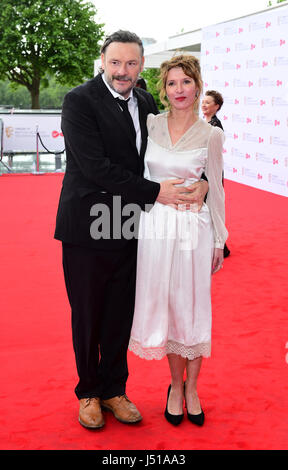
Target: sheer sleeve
(216, 196)
(150, 120)
(154, 125)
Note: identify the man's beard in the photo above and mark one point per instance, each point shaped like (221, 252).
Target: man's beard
(123, 78)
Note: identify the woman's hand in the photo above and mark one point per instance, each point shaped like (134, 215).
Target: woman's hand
(217, 260)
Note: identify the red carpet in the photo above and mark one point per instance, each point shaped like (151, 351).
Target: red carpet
(243, 386)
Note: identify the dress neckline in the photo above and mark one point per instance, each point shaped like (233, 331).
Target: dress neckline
(182, 136)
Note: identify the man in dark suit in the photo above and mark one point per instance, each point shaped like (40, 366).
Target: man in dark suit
(105, 162)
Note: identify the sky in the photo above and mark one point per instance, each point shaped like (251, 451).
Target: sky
(159, 19)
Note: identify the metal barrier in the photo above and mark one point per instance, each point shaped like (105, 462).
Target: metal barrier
(1, 145)
(23, 149)
(1, 138)
(58, 162)
(35, 164)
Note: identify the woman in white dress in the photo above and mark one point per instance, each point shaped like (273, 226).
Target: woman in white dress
(178, 250)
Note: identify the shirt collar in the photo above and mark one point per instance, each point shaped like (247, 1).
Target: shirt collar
(114, 93)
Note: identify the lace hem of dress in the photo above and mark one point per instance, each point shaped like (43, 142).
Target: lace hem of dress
(171, 347)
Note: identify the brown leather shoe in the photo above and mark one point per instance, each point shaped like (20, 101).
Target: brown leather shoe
(122, 408)
(90, 413)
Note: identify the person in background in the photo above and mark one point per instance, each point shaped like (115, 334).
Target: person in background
(141, 83)
(211, 104)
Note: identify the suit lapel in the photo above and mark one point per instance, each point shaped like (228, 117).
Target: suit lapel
(142, 107)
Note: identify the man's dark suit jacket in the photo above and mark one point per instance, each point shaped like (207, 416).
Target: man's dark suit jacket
(102, 161)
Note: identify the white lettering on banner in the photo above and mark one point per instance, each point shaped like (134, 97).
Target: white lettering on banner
(246, 60)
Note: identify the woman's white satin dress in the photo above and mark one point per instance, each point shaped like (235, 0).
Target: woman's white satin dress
(175, 248)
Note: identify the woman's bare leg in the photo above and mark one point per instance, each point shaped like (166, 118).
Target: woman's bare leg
(191, 396)
(177, 366)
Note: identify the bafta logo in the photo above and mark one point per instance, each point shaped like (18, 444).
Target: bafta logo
(9, 131)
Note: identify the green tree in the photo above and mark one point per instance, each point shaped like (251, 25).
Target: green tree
(40, 37)
(151, 77)
(16, 98)
(51, 97)
(278, 1)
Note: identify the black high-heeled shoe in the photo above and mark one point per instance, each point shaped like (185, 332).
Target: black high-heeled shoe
(172, 419)
(195, 419)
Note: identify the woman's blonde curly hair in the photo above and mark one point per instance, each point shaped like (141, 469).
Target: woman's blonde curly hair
(190, 66)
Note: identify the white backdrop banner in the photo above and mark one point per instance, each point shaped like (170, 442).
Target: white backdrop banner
(247, 62)
(20, 132)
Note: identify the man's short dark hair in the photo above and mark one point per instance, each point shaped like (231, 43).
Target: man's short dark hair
(122, 36)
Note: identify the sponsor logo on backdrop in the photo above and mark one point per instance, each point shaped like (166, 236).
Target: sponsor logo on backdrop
(230, 31)
(56, 134)
(279, 101)
(256, 26)
(276, 179)
(242, 83)
(267, 159)
(280, 61)
(282, 19)
(9, 131)
(278, 140)
(255, 92)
